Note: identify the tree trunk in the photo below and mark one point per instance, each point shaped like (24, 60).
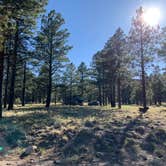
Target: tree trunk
(33, 98)
(100, 96)
(6, 82)
(100, 89)
(71, 91)
(119, 93)
(24, 85)
(82, 84)
(13, 73)
(64, 96)
(103, 95)
(1, 79)
(159, 101)
(143, 75)
(49, 89)
(103, 85)
(113, 102)
(55, 96)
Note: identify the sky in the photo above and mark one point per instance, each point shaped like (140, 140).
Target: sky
(92, 22)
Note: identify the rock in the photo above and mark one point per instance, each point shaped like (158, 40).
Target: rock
(157, 124)
(32, 160)
(57, 125)
(143, 110)
(90, 123)
(152, 127)
(143, 157)
(104, 164)
(140, 130)
(41, 157)
(57, 162)
(129, 117)
(28, 151)
(159, 154)
(70, 122)
(99, 154)
(96, 160)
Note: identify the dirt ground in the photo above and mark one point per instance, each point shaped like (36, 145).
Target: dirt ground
(83, 136)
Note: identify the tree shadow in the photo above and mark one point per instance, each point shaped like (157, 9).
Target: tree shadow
(15, 129)
(114, 142)
(107, 143)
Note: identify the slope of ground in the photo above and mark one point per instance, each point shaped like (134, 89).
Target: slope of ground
(83, 136)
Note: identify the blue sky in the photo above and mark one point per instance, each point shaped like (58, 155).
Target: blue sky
(92, 22)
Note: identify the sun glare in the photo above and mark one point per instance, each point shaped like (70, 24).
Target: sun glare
(152, 16)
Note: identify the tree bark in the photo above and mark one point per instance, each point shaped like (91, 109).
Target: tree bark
(49, 90)
(100, 89)
(6, 82)
(13, 74)
(113, 102)
(119, 93)
(71, 90)
(55, 95)
(100, 96)
(103, 85)
(143, 74)
(24, 85)
(1, 79)
(82, 84)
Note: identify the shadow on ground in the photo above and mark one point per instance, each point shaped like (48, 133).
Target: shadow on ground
(107, 144)
(130, 140)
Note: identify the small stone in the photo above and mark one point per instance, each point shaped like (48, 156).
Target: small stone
(41, 157)
(57, 125)
(57, 162)
(99, 154)
(104, 164)
(129, 117)
(90, 123)
(140, 130)
(152, 127)
(28, 151)
(143, 157)
(32, 160)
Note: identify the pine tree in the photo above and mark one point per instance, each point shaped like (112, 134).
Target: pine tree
(82, 74)
(4, 24)
(51, 46)
(70, 80)
(116, 47)
(162, 49)
(142, 38)
(24, 14)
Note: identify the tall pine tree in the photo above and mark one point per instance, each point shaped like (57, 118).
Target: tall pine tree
(51, 47)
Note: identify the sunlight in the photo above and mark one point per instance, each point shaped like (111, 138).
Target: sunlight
(152, 16)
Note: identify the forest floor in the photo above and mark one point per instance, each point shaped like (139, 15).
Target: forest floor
(84, 136)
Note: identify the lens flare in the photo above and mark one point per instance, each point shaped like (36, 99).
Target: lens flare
(152, 16)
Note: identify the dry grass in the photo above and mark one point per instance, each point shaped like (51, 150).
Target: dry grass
(126, 136)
